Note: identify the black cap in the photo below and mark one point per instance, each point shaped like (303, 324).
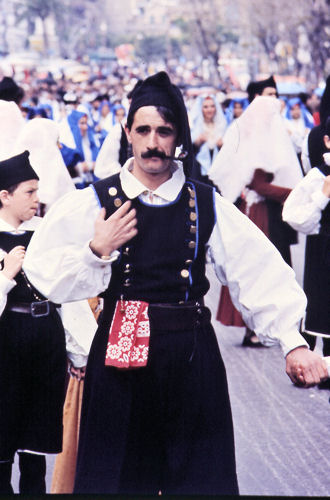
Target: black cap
(257, 87)
(10, 91)
(15, 170)
(157, 90)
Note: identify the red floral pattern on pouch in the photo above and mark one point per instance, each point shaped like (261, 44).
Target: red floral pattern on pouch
(128, 342)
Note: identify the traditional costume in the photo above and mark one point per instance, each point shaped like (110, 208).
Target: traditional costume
(157, 417)
(214, 130)
(307, 209)
(32, 355)
(77, 148)
(256, 168)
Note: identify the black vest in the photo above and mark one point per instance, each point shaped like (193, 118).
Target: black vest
(165, 261)
(21, 292)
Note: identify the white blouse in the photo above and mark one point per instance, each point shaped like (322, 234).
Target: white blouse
(61, 265)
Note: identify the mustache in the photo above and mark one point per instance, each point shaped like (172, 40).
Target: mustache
(152, 153)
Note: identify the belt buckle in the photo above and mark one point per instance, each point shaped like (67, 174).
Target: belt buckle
(39, 309)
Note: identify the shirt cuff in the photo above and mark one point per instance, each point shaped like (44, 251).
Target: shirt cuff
(78, 360)
(92, 259)
(291, 340)
(320, 199)
(6, 284)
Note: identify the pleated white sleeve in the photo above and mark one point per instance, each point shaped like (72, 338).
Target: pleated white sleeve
(262, 286)
(304, 205)
(58, 261)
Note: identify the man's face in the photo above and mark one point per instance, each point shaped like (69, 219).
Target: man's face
(23, 202)
(269, 91)
(150, 132)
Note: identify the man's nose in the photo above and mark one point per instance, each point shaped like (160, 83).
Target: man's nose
(152, 141)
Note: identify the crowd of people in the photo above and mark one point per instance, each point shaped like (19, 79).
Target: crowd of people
(112, 199)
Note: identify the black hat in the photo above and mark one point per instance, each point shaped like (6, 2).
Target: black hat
(157, 90)
(257, 87)
(10, 91)
(15, 170)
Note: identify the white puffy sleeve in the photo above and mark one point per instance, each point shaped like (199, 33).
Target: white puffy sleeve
(303, 207)
(5, 286)
(58, 260)
(262, 286)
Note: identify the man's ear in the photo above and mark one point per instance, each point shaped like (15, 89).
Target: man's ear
(128, 134)
(4, 197)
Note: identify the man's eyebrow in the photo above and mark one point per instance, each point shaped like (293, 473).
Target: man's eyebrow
(142, 127)
(166, 128)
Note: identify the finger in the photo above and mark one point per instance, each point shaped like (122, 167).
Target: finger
(128, 218)
(312, 377)
(130, 225)
(121, 211)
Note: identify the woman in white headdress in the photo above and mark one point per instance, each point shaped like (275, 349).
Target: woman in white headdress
(256, 169)
(11, 123)
(40, 137)
(207, 130)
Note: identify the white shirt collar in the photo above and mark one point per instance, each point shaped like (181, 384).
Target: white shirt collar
(168, 191)
(27, 225)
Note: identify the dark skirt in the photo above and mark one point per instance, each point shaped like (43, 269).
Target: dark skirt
(165, 427)
(32, 383)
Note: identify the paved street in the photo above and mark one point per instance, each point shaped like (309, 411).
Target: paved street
(282, 432)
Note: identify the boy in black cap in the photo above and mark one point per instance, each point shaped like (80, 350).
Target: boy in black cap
(32, 341)
(156, 415)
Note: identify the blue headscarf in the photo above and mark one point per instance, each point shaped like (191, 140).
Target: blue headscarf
(230, 109)
(307, 117)
(115, 109)
(73, 121)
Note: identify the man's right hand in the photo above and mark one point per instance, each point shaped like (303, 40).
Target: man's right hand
(112, 233)
(13, 261)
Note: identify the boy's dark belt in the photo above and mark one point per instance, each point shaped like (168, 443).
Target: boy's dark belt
(36, 309)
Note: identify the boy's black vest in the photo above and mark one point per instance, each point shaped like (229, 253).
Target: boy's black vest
(165, 261)
(21, 292)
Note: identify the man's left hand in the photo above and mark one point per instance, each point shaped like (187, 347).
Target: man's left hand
(78, 373)
(305, 368)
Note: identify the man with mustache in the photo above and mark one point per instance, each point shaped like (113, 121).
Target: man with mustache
(156, 415)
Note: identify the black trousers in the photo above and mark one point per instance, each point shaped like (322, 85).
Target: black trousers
(166, 427)
(32, 475)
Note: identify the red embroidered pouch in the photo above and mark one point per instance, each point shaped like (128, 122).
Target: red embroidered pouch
(128, 342)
